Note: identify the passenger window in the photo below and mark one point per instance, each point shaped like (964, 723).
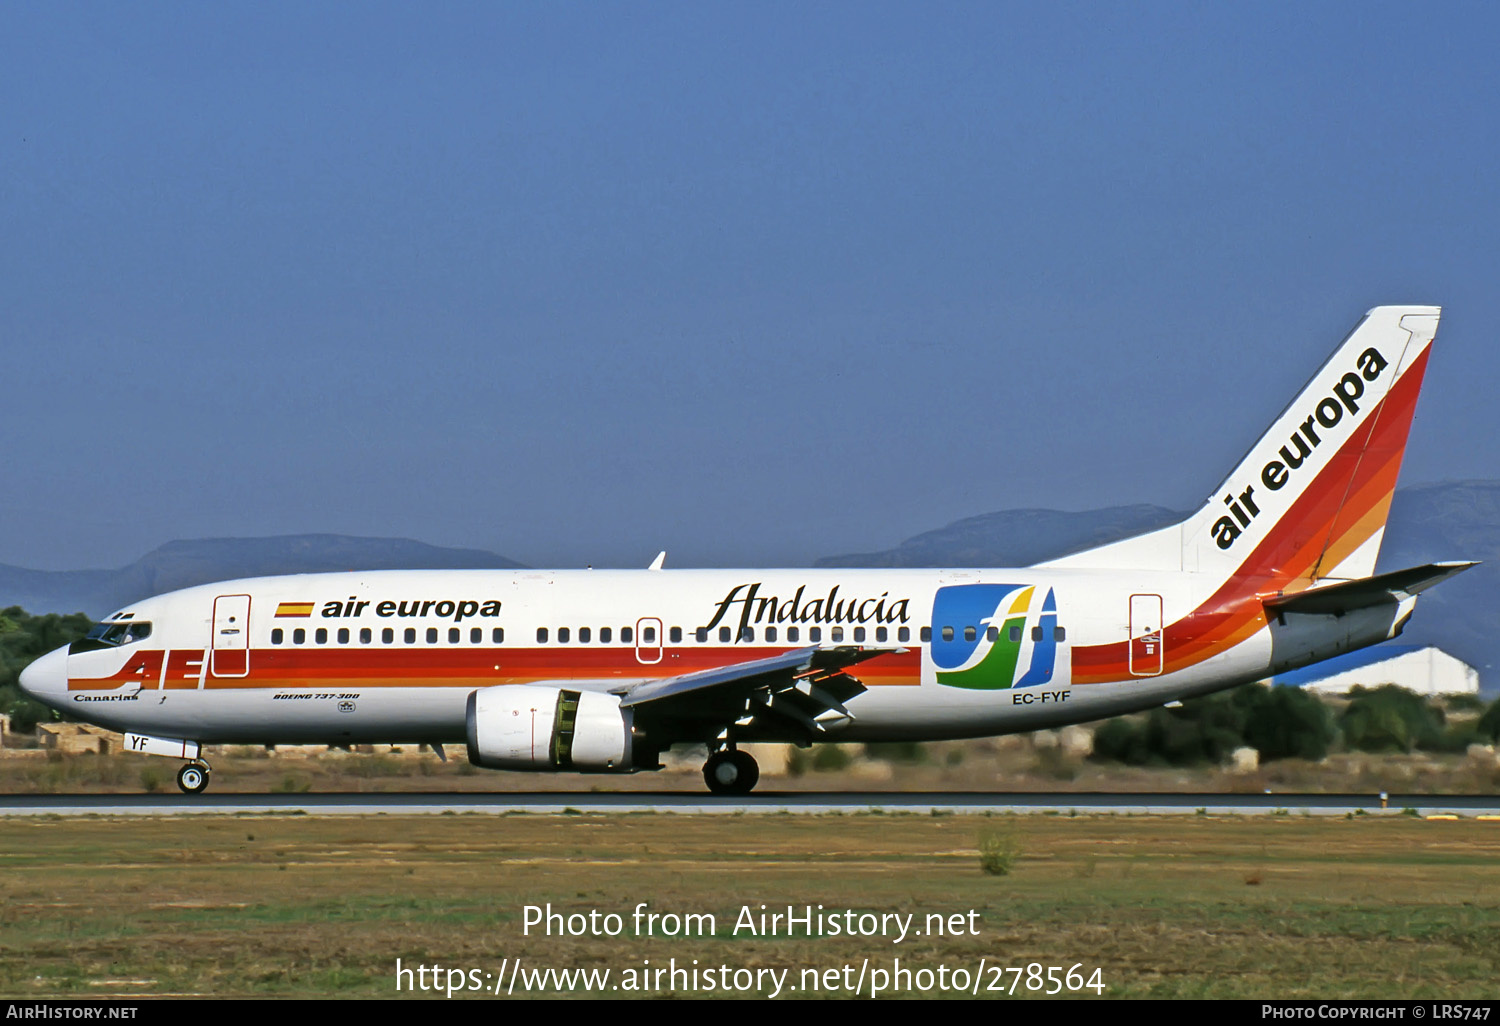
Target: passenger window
(969, 633)
(409, 636)
(747, 633)
(815, 634)
(432, 635)
(926, 633)
(454, 635)
(880, 634)
(563, 633)
(770, 633)
(364, 635)
(604, 635)
(676, 635)
(321, 635)
(1015, 634)
(584, 634)
(343, 635)
(541, 635)
(859, 634)
(625, 635)
(947, 633)
(276, 636)
(476, 635)
(993, 633)
(1036, 633)
(792, 633)
(648, 635)
(1060, 633)
(387, 636)
(497, 636)
(837, 634)
(903, 634)
(299, 636)
(724, 634)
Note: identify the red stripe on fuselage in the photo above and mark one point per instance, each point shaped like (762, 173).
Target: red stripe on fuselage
(399, 667)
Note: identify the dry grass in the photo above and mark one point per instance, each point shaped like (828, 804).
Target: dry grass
(305, 906)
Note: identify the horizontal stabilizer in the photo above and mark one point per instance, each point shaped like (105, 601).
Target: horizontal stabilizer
(1346, 596)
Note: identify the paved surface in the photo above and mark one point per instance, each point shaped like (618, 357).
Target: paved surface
(1466, 806)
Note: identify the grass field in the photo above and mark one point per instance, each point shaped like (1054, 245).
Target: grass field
(1264, 906)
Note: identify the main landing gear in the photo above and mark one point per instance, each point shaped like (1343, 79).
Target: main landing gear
(193, 777)
(730, 771)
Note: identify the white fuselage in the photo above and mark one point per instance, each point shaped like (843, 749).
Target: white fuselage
(392, 656)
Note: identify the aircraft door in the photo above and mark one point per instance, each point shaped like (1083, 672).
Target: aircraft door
(648, 640)
(1147, 656)
(231, 637)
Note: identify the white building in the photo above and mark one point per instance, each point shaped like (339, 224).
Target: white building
(1424, 669)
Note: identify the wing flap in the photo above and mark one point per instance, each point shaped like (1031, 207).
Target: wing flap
(753, 674)
(802, 693)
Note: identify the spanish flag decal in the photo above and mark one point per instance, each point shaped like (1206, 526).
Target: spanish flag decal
(294, 609)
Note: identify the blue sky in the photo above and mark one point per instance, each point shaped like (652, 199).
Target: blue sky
(755, 283)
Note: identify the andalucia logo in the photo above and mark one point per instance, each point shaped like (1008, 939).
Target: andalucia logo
(993, 636)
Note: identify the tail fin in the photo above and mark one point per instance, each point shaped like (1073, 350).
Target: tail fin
(1309, 501)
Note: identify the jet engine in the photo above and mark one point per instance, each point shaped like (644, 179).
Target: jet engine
(531, 727)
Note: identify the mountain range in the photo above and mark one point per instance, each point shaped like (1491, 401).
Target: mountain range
(1454, 520)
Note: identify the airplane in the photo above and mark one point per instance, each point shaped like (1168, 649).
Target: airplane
(603, 670)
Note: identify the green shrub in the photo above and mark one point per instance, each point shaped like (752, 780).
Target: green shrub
(998, 853)
(1391, 719)
(1464, 703)
(24, 637)
(1285, 723)
(1489, 724)
(798, 762)
(1120, 740)
(897, 751)
(830, 757)
(1278, 722)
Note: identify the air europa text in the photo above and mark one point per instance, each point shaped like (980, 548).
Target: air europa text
(1328, 412)
(458, 609)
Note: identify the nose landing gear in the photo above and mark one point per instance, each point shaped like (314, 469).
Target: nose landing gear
(730, 771)
(193, 777)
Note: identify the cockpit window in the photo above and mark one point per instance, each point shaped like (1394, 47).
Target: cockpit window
(112, 635)
(121, 633)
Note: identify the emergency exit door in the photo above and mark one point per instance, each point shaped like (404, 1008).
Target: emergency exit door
(648, 641)
(231, 638)
(1147, 655)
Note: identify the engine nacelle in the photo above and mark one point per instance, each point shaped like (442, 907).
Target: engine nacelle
(531, 727)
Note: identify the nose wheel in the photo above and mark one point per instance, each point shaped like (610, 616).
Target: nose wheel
(731, 772)
(193, 778)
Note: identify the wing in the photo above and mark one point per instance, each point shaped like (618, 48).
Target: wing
(795, 696)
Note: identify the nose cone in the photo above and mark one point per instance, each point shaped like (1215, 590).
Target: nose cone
(46, 679)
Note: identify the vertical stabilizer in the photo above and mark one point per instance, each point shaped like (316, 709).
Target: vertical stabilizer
(1309, 500)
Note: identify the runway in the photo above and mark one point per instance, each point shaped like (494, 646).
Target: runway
(769, 802)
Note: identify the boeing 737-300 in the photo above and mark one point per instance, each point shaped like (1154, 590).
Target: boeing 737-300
(603, 670)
